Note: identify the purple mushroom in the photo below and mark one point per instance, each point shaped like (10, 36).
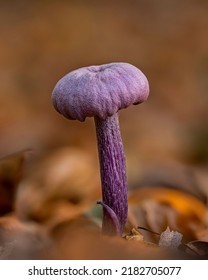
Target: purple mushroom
(100, 92)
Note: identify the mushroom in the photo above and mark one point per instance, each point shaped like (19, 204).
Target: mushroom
(100, 92)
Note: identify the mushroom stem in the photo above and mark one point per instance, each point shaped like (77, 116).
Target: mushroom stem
(113, 172)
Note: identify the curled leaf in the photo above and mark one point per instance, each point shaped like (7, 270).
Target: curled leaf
(199, 247)
(114, 225)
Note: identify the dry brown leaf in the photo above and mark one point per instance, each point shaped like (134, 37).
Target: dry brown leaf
(198, 247)
(20, 240)
(134, 235)
(202, 234)
(67, 175)
(11, 173)
(172, 174)
(6, 250)
(162, 207)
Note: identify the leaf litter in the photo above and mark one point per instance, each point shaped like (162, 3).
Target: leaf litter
(48, 219)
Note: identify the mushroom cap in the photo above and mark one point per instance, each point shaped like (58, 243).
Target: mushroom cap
(99, 91)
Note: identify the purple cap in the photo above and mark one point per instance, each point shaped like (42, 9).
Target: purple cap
(99, 90)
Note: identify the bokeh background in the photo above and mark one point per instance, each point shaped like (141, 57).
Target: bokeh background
(43, 40)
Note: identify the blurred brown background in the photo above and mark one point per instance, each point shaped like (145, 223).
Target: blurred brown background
(42, 40)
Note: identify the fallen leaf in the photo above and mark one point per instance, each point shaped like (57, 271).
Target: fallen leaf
(68, 175)
(199, 247)
(157, 208)
(11, 173)
(134, 235)
(21, 240)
